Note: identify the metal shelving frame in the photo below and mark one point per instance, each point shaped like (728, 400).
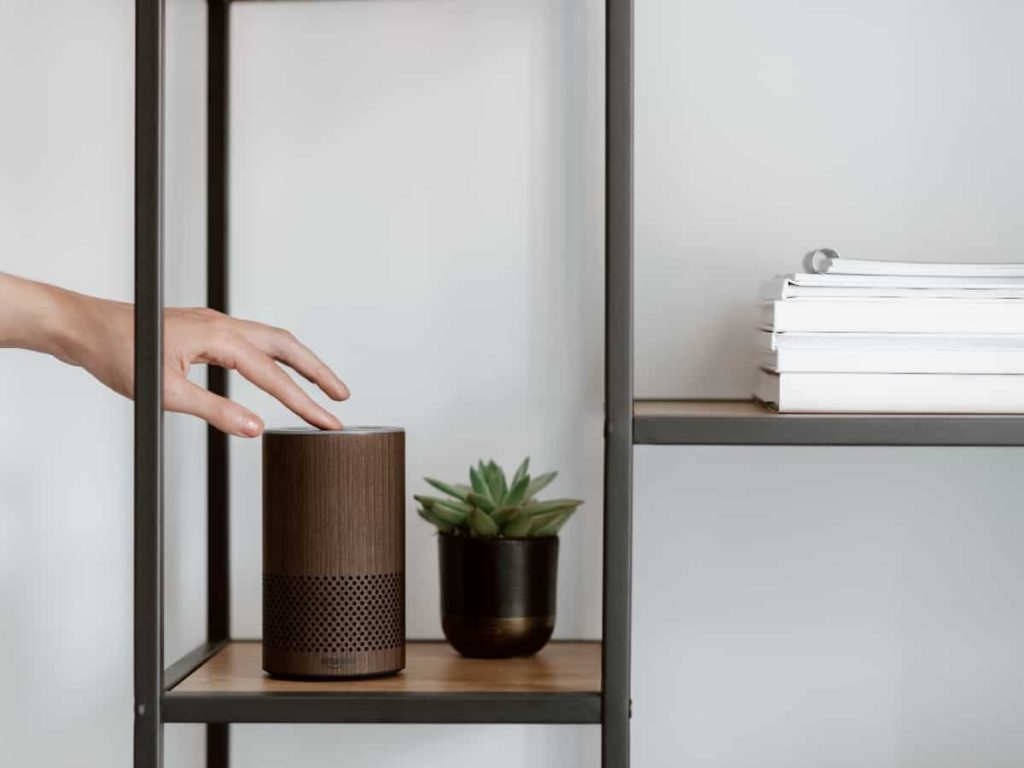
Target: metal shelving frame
(626, 423)
(154, 701)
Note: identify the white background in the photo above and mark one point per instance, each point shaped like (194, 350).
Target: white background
(417, 194)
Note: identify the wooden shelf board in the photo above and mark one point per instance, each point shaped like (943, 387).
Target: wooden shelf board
(561, 684)
(745, 422)
(431, 667)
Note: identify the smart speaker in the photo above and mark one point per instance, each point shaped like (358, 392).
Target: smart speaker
(334, 552)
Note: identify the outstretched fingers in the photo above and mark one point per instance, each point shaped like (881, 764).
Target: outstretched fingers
(262, 371)
(182, 396)
(281, 345)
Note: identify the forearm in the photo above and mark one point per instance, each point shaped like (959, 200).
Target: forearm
(39, 317)
(98, 335)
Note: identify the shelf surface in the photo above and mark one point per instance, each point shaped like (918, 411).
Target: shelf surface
(745, 422)
(561, 684)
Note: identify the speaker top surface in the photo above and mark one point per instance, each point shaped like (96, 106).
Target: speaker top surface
(312, 431)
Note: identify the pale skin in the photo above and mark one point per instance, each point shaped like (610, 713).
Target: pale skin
(98, 335)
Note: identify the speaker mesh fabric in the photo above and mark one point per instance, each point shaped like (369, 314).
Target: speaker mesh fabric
(333, 614)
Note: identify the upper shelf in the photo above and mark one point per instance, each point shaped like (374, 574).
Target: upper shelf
(744, 422)
(561, 684)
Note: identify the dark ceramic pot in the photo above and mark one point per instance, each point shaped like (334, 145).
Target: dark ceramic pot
(498, 595)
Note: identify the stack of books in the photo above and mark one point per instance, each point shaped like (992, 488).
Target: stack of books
(865, 336)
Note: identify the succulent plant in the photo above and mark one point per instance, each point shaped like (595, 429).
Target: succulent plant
(494, 506)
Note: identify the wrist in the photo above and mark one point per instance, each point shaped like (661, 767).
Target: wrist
(42, 318)
(67, 325)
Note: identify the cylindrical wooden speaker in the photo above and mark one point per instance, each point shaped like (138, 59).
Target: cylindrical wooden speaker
(334, 552)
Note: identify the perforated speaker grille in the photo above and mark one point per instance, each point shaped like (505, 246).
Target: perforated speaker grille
(333, 614)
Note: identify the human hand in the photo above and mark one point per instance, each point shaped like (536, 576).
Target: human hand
(98, 335)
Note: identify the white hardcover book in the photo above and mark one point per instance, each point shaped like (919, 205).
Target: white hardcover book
(889, 353)
(890, 392)
(966, 361)
(792, 289)
(895, 315)
(811, 279)
(828, 261)
(768, 341)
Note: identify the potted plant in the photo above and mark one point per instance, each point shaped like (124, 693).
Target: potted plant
(498, 547)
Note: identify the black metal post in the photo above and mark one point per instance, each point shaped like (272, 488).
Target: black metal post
(148, 578)
(618, 459)
(217, 487)
(217, 608)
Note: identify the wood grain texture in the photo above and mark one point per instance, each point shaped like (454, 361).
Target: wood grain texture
(333, 502)
(334, 552)
(431, 667)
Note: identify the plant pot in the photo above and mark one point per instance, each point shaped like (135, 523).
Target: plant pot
(498, 595)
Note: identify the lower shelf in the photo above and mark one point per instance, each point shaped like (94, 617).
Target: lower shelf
(561, 684)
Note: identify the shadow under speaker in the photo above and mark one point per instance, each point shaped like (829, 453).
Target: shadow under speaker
(334, 552)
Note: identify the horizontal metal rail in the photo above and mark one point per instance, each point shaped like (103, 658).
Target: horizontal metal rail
(829, 430)
(190, 662)
(525, 708)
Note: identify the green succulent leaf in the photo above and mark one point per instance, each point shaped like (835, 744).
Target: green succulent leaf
(476, 477)
(483, 502)
(444, 487)
(538, 484)
(493, 504)
(550, 523)
(496, 483)
(453, 512)
(455, 504)
(434, 520)
(505, 515)
(517, 493)
(554, 505)
(518, 527)
(502, 481)
(521, 472)
(481, 523)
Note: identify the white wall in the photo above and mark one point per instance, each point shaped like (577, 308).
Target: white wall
(805, 606)
(65, 443)
(767, 129)
(431, 240)
(848, 607)
(417, 193)
(185, 275)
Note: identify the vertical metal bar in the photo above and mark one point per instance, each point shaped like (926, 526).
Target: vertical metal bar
(218, 608)
(618, 460)
(148, 645)
(218, 745)
(218, 585)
